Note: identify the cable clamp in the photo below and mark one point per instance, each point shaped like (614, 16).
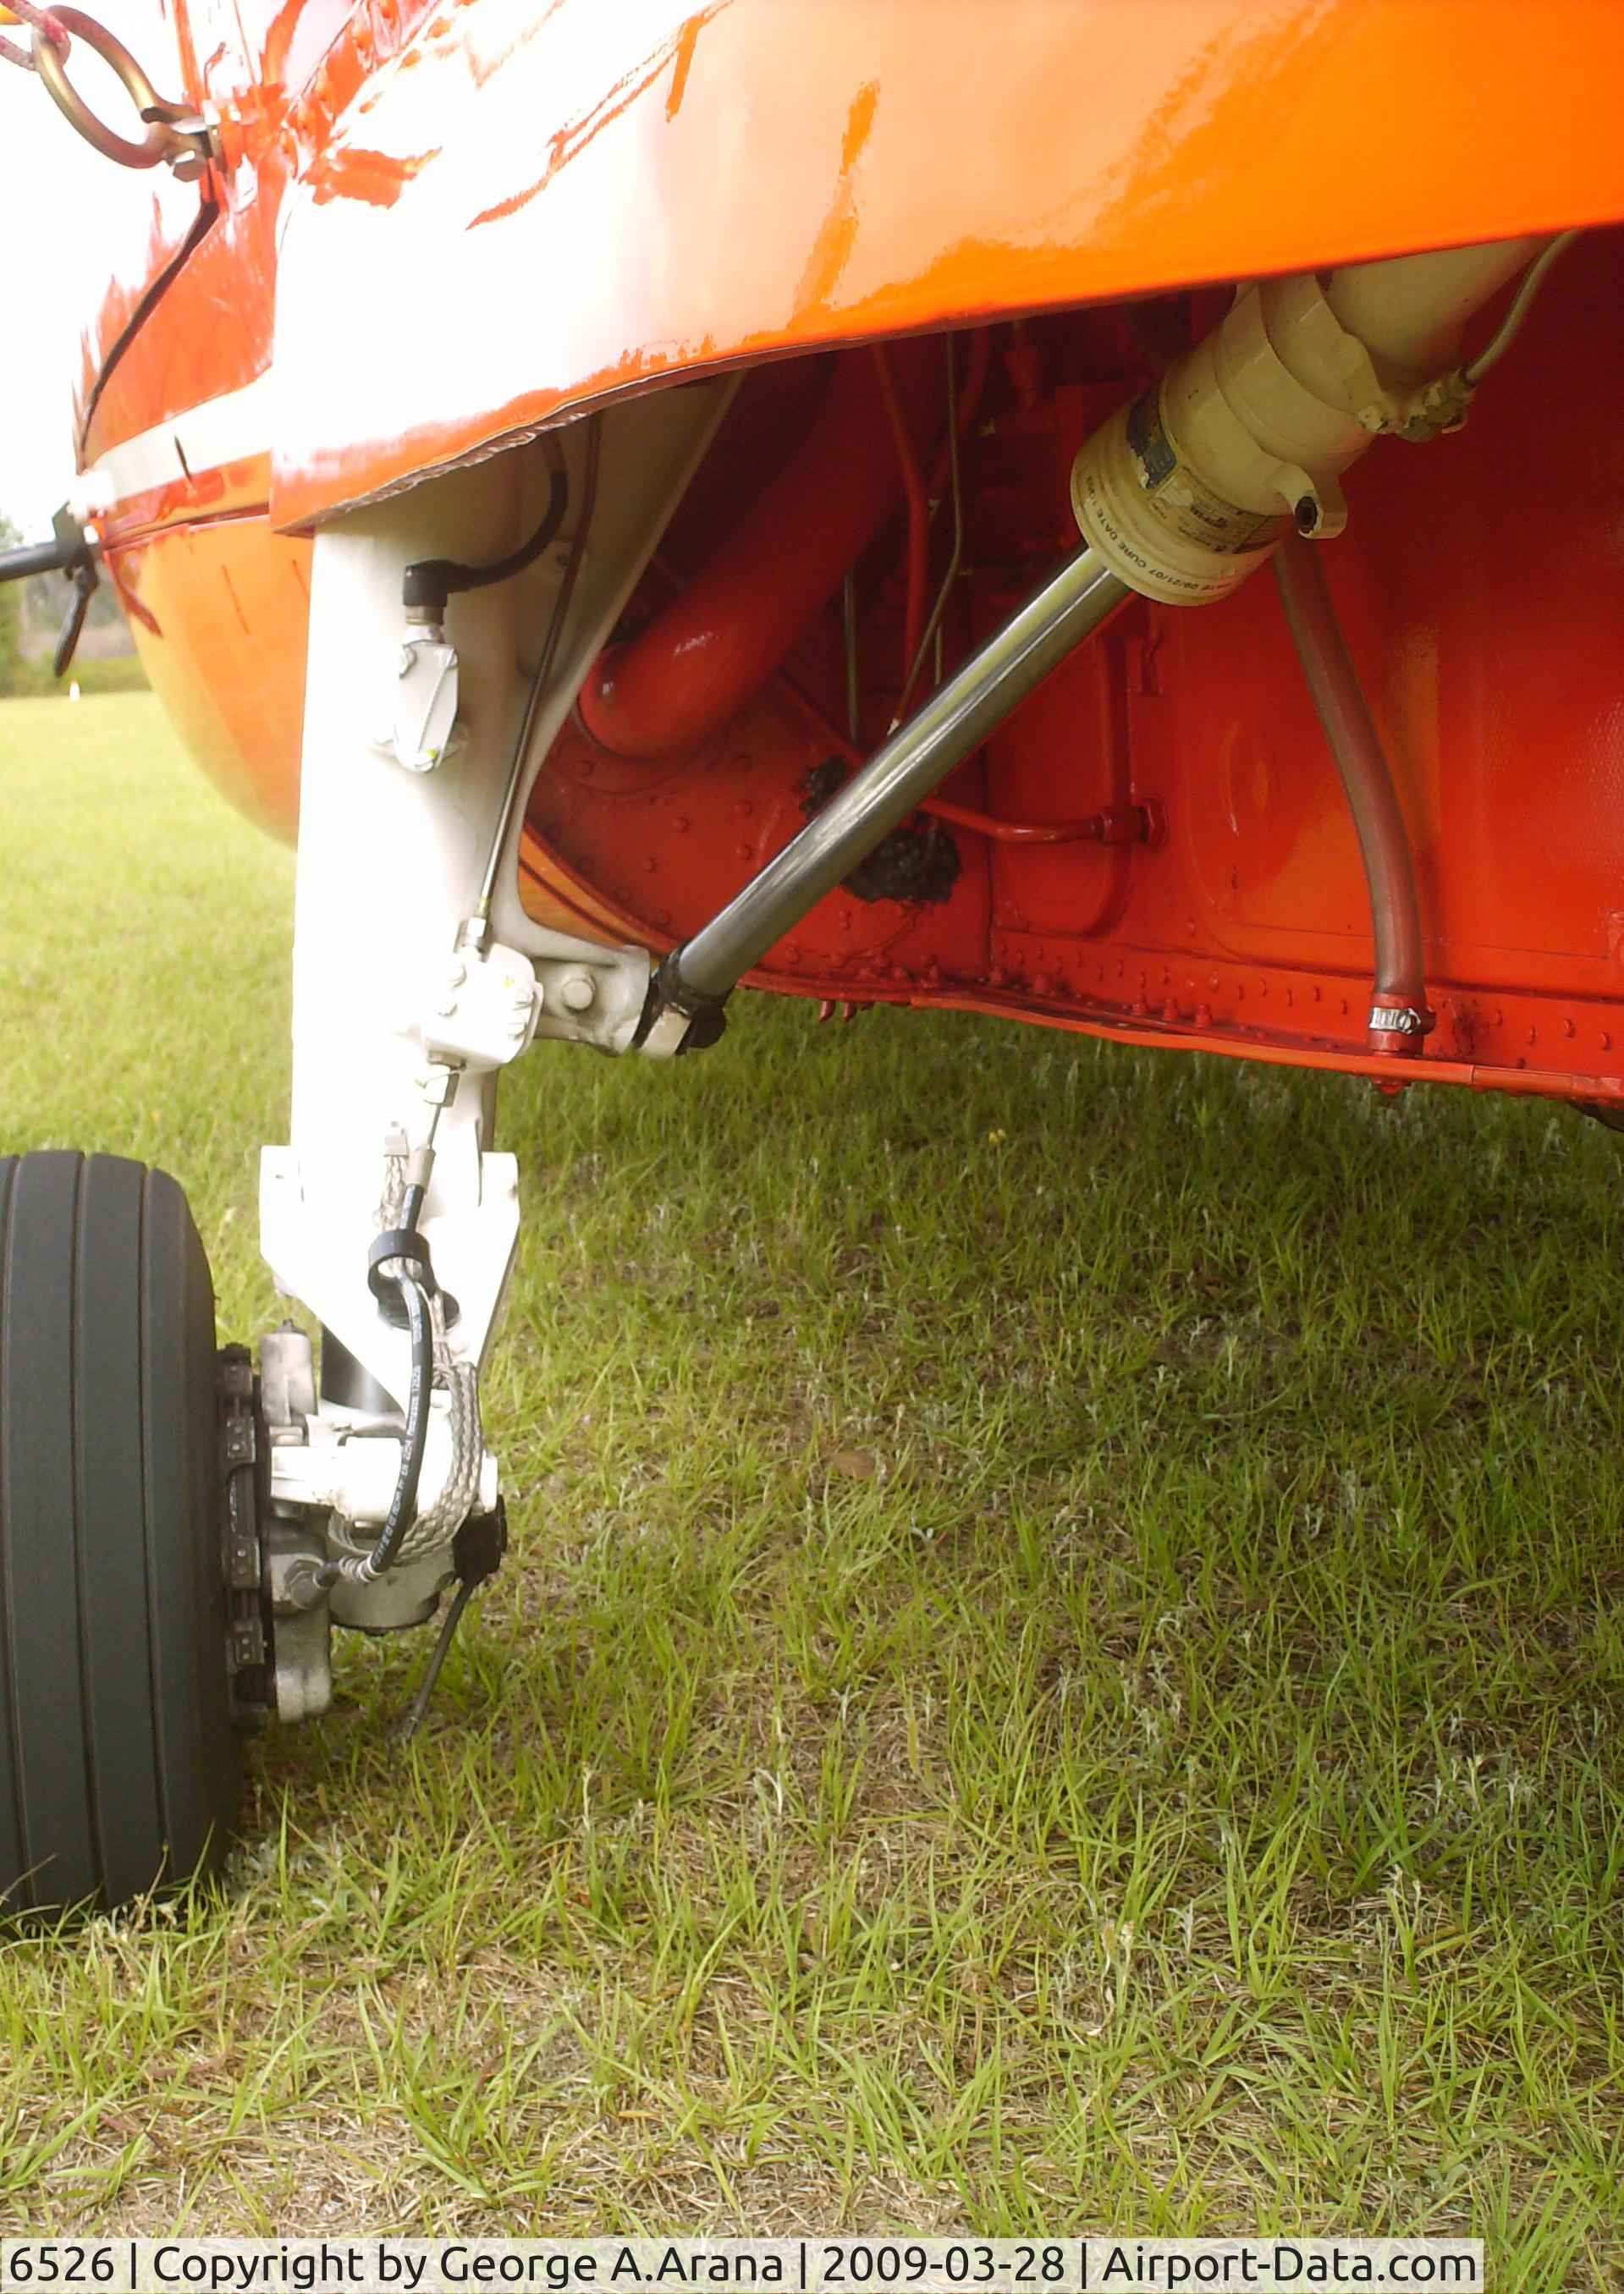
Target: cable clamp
(405, 1246)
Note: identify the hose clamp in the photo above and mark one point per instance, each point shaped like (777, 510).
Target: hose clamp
(1397, 1026)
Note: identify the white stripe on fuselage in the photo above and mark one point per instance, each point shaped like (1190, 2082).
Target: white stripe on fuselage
(231, 428)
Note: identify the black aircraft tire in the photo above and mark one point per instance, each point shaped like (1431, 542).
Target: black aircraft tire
(119, 1769)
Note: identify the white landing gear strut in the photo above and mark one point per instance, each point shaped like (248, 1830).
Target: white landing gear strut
(418, 977)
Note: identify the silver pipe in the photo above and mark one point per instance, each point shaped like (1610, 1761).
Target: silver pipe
(933, 628)
(848, 625)
(947, 729)
(544, 675)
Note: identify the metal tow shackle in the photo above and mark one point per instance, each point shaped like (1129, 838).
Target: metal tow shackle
(176, 136)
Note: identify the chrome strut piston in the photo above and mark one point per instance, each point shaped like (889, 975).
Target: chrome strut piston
(692, 986)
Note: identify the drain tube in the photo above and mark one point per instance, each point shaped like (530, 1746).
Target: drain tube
(1399, 1016)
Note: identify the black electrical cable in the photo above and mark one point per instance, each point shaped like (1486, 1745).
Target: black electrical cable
(428, 584)
(403, 1505)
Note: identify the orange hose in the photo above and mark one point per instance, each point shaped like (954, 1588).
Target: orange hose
(1089, 829)
(704, 654)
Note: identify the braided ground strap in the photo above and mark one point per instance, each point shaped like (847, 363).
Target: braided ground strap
(439, 1522)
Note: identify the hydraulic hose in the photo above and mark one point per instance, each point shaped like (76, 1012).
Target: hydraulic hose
(1399, 1016)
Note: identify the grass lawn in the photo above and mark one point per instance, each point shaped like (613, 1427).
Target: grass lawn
(1061, 1667)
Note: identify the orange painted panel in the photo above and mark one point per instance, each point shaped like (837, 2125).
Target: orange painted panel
(527, 208)
(531, 208)
(214, 334)
(228, 607)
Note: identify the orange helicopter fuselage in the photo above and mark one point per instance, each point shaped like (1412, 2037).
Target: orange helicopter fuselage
(434, 231)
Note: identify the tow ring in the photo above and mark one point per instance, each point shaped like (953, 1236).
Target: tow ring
(176, 135)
